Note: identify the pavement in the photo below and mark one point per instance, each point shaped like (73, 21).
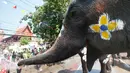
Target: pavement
(121, 66)
(68, 66)
(73, 65)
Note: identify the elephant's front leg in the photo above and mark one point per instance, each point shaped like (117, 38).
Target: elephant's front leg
(83, 57)
(105, 65)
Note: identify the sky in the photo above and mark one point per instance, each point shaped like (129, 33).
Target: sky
(10, 17)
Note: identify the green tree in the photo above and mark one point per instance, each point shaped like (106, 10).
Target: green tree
(47, 19)
(24, 40)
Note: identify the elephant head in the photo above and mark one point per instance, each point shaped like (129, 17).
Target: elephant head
(75, 32)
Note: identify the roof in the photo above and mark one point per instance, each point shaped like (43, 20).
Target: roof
(22, 31)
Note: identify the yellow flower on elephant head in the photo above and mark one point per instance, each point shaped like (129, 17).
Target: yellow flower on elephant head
(104, 27)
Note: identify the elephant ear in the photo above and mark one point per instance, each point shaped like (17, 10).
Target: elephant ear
(92, 55)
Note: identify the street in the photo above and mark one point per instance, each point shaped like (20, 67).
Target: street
(69, 66)
(115, 69)
(73, 65)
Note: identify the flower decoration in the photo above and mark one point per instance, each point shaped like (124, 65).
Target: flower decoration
(23, 11)
(14, 6)
(104, 27)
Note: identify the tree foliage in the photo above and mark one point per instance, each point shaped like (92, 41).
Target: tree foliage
(46, 21)
(24, 40)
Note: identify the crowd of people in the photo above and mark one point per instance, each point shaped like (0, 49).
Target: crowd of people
(14, 56)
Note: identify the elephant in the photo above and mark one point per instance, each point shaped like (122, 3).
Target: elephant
(104, 24)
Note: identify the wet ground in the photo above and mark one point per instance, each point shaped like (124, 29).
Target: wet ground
(120, 67)
(72, 65)
(68, 66)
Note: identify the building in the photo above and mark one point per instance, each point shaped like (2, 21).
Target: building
(24, 31)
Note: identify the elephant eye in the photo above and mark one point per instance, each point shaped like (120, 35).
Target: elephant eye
(72, 14)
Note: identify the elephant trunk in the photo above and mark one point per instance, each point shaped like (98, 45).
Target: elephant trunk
(62, 49)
